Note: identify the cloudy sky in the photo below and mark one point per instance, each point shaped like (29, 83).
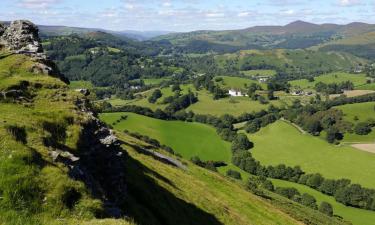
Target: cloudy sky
(185, 15)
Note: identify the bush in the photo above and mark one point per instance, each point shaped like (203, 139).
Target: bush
(287, 192)
(234, 174)
(362, 128)
(155, 96)
(326, 208)
(309, 201)
(241, 143)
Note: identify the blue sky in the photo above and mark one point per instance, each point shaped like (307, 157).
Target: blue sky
(187, 15)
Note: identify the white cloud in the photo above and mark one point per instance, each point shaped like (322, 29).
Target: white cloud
(243, 14)
(349, 2)
(37, 4)
(288, 12)
(215, 15)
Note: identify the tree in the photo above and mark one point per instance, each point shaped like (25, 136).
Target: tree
(315, 180)
(362, 128)
(176, 87)
(309, 201)
(234, 174)
(155, 96)
(241, 143)
(288, 192)
(328, 186)
(326, 208)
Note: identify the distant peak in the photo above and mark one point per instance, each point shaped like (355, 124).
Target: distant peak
(300, 23)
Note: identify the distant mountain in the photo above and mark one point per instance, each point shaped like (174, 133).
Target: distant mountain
(295, 35)
(49, 31)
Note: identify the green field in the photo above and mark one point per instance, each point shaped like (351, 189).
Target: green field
(355, 215)
(205, 105)
(364, 111)
(282, 143)
(153, 81)
(252, 73)
(238, 82)
(357, 79)
(231, 105)
(81, 84)
(187, 139)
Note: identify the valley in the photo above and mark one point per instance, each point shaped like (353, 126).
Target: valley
(261, 125)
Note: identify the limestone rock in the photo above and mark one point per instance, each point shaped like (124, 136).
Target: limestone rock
(22, 37)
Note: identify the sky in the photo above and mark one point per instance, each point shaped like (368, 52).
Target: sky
(187, 15)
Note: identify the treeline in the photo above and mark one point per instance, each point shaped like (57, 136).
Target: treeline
(343, 191)
(334, 88)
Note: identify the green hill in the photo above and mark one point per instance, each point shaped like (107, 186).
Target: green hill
(298, 34)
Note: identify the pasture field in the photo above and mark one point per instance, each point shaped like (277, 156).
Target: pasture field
(280, 142)
(238, 82)
(231, 105)
(358, 80)
(266, 73)
(205, 105)
(187, 139)
(354, 215)
(153, 81)
(364, 111)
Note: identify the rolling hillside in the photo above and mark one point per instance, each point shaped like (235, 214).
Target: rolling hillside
(298, 34)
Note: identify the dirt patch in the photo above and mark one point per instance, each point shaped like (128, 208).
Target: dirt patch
(353, 93)
(365, 147)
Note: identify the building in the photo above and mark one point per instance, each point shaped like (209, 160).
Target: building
(236, 93)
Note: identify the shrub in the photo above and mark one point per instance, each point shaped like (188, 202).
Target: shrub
(241, 143)
(362, 128)
(326, 208)
(288, 192)
(234, 174)
(309, 201)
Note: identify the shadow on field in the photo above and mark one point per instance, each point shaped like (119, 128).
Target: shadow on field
(151, 204)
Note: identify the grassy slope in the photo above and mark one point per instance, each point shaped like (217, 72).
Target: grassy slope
(363, 111)
(198, 192)
(305, 59)
(27, 173)
(188, 139)
(357, 79)
(355, 215)
(282, 143)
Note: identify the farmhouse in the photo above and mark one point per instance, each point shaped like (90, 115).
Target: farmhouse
(236, 93)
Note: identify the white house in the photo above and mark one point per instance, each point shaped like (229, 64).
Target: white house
(235, 93)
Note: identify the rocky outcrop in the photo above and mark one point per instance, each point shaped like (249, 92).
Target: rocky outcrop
(21, 37)
(2, 29)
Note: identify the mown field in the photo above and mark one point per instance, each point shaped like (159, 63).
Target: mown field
(354, 215)
(187, 139)
(358, 80)
(282, 143)
(238, 82)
